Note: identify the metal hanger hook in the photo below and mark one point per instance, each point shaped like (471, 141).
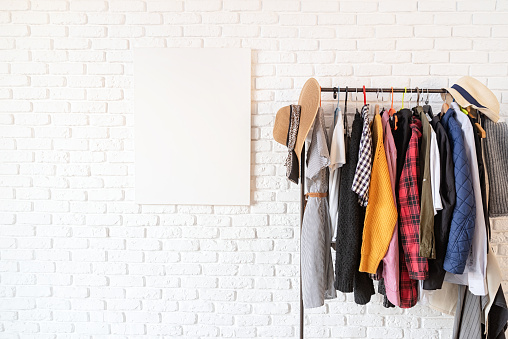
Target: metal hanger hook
(345, 102)
(427, 101)
(356, 99)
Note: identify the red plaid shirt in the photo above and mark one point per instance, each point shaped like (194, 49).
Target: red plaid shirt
(408, 288)
(409, 204)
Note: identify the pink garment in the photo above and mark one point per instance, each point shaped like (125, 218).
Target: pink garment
(391, 259)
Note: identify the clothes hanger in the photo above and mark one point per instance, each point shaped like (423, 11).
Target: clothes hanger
(414, 110)
(417, 97)
(336, 111)
(393, 117)
(364, 96)
(481, 131)
(396, 118)
(391, 111)
(445, 107)
(345, 113)
(376, 108)
(403, 95)
(427, 109)
(356, 100)
(382, 100)
(345, 101)
(472, 112)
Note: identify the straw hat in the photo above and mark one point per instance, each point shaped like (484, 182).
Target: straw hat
(310, 98)
(468, 91)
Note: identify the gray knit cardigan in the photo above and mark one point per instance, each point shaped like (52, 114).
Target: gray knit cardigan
(496, 161)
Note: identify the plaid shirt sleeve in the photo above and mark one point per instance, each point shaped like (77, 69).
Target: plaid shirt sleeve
(361, 180)
(409, 202)
(408, 288)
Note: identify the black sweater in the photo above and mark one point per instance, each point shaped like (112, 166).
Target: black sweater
(350, 227)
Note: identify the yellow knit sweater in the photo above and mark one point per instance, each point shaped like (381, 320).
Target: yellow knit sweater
(381, 212)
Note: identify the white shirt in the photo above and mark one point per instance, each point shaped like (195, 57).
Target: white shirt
(337, 160)
(435, 173)
(476, 268)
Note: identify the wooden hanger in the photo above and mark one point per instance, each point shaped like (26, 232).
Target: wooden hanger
(445, 107)
(474, 114)
(481, 131)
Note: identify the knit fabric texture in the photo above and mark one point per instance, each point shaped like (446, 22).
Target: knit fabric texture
(390, 263)
(350, 226)
(381, 212)
(496, 160)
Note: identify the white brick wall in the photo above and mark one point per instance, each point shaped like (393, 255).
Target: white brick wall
(78, 258)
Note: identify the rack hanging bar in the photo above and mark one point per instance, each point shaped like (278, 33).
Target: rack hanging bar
(385, 90)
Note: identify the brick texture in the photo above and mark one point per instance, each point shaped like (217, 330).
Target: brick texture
(78, 258)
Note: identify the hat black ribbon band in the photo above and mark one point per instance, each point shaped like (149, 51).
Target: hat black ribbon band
(292, 166)
(465, 94)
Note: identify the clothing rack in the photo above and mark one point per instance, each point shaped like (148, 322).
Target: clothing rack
(335, 90)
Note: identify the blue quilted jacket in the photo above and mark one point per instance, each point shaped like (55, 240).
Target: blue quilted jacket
(463, 219)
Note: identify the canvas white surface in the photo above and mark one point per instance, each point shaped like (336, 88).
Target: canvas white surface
(192, 126)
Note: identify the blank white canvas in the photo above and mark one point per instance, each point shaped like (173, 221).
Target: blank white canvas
(192, 126)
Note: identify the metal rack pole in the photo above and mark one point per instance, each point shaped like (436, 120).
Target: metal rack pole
(302, 209)
(335, 90)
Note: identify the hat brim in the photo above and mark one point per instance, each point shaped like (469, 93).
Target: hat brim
(309, 100)
(464, 103)
(281, 126)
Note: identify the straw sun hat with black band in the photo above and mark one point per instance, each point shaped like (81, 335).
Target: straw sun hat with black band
(468, 91)
(310, 98)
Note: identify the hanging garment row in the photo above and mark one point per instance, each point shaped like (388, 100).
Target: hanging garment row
(403, 200)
